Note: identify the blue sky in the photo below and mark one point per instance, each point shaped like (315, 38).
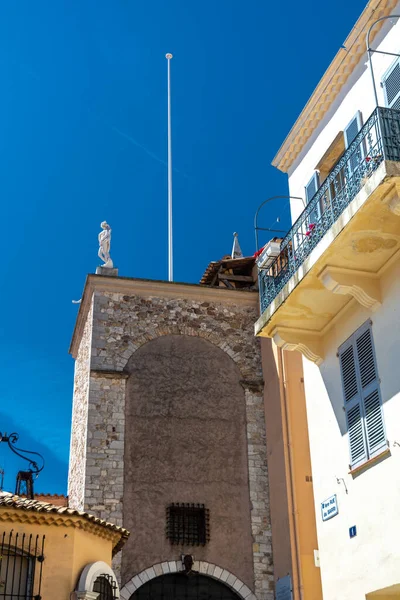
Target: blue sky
(83, 139)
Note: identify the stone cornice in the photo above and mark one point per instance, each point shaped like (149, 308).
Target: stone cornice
(148, 288)
(332, 82)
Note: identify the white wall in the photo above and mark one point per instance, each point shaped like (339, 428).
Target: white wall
(357, 94)
(351, 568)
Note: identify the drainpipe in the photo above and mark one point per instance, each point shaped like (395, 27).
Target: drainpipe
(291, 495)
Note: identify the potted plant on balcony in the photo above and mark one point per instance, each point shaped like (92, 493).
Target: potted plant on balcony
(310, 229)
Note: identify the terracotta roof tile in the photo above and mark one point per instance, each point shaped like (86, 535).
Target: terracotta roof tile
(7, 499)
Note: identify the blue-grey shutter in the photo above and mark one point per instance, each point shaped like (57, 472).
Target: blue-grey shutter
(350, 133)
(352, 404)
(370, 391)
(391, 85)
(311, 189)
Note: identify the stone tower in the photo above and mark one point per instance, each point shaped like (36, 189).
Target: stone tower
(168, 417)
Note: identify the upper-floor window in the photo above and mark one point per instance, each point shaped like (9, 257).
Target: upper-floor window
(350, 133)
(310, 191)
(362, 396)
(391, 85)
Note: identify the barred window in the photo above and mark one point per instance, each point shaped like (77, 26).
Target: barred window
(106, 587)
(188, 524)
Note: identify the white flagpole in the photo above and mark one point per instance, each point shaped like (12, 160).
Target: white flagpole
(170, 252)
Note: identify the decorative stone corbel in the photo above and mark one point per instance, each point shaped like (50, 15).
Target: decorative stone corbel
(87, 595)
(306, 342)
(364, 287)
(392, 199)
(253, 385)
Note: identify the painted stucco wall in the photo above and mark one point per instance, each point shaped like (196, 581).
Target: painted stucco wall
(289, 467)
(186, 418)
(67, 551)
(370, 561)
(356, 95)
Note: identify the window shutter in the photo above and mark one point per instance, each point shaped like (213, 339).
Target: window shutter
(350, 133)
(312, 187)
(370, 392)
(391, 85)
(353, 404)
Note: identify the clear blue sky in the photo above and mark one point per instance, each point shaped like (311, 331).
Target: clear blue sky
(83, 139)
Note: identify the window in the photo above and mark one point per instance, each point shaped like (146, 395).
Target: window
(350, 133)
(106, 587)
(21, 561)
(188, 524)
(362, 396)
(391, 85)
(311, 189)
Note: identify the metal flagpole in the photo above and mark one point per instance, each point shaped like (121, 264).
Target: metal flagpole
(170, 252)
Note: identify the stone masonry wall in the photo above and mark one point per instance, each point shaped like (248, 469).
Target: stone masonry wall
(121, 324)
(77, 458)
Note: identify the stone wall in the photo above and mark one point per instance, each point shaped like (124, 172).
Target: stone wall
(77, 456)
(123, 323)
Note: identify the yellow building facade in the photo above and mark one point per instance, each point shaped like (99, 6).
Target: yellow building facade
(293, 521)
(53, 552)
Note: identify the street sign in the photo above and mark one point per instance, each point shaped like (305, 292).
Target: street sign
(329, 508)
(283, 588)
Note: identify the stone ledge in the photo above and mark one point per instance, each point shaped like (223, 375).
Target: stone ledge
(102, 373)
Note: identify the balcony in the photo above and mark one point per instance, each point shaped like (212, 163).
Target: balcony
(336, 251)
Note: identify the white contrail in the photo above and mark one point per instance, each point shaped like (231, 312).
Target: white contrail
(133, 141)
(151, 154)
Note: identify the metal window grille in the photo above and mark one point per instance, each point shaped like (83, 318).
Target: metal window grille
(106, 586)
(188, 524)
(21, 566)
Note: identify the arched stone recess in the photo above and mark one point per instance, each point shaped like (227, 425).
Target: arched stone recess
(240, 357)
(122, 323)
(90, 573)
(203, 567)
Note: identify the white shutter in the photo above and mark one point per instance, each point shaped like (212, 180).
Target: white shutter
(370, 392)
(352, 404)
(350, 133)
(362, 398)
(391, 85)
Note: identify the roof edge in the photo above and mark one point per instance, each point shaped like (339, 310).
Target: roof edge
(151, 287)
(333, 80)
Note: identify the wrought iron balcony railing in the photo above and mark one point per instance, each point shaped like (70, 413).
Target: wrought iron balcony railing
(377, 140)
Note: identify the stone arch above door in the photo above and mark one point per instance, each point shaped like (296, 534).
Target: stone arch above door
(203, 567)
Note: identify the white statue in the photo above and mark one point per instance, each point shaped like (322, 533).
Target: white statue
(104, 245)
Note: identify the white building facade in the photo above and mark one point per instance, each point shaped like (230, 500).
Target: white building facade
(333, 293)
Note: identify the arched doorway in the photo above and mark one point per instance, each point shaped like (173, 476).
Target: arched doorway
(179, 586)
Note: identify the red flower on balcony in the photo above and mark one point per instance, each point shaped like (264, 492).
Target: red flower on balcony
(310, 229)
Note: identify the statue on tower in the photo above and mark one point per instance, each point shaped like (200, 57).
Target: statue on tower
(104, 245)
